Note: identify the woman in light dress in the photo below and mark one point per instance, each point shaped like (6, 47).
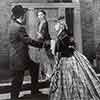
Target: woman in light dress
(46, 57)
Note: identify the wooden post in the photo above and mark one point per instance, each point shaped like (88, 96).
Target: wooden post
(77, 29)
(31, 23)
(32, 33)
(61, 12)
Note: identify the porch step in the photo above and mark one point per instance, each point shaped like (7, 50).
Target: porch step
(6, 87)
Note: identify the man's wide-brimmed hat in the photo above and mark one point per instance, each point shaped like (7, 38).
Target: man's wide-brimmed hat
(18, 10)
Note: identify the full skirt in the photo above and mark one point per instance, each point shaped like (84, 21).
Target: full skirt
(74, 79)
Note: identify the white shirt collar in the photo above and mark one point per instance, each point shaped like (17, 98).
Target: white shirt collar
(19, 20)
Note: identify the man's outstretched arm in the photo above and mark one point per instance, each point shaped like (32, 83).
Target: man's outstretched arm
(26, 39)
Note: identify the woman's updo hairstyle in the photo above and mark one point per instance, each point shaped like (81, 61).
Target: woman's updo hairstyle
(62, 22)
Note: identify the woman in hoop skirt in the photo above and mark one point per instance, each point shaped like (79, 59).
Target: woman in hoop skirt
(43, 35)
(73, 77)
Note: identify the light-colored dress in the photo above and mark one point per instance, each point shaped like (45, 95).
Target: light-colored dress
(44, 55)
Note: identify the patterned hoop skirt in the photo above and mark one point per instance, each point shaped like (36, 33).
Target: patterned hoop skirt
(74, 79)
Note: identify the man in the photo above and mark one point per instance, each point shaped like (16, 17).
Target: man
(19, 56)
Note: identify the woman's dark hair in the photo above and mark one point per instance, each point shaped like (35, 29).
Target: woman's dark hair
(41, 10)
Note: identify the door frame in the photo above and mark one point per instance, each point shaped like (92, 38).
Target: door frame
(77, 20)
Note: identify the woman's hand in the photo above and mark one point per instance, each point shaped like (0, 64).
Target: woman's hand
(47, 44)
(39, 35)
